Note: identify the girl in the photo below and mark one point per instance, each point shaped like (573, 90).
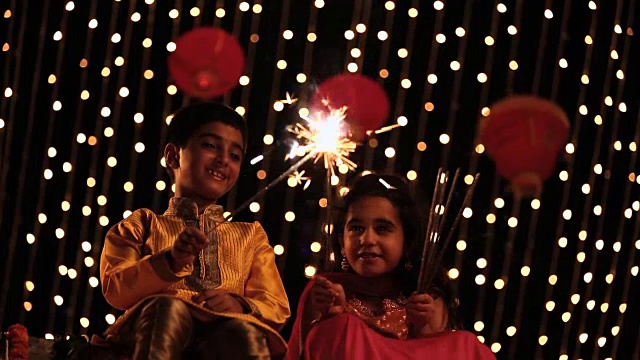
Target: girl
(369, 309)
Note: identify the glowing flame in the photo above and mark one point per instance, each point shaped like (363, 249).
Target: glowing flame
(326, 136)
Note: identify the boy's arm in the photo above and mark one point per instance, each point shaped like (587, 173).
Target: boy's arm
(126, 274)
(264, 293)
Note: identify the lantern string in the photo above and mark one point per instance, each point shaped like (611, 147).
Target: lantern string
(401, 94)
(533, 225)
(115, 122)
(515, 209)
(474, 163)
(276, 86)
(586, 212)
(67, 216)
(631, 253)
(456, 89)
(26, 141)
(607, 180)
(553, 266)
(246, 90)
(427, 94)
(41, 193)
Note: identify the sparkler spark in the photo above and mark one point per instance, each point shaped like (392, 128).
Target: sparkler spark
(383, 130)
(299, 178)
(290, 100)
(256, 159)
(325, 136)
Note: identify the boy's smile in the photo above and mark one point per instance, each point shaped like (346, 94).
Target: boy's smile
(209, 165)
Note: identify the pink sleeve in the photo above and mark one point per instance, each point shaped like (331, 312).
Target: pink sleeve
(295, 341)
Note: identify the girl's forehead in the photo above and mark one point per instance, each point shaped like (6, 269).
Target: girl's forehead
(373, 207)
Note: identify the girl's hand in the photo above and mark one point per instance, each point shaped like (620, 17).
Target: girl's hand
(325, 298)
(425, 315)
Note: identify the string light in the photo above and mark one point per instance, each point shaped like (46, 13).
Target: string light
(494, 214)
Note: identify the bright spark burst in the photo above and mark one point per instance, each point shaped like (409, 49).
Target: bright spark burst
(299, 176)
(327, 136)
(290, 100)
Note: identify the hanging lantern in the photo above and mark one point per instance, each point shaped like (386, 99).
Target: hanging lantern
(524, 135)
(366, 101)
(207, 62)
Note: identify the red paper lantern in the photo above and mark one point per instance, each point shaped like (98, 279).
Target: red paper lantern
(207, 62)
(366, 101)
(524, 135)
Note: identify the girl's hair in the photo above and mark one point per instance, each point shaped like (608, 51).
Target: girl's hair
(396, 191)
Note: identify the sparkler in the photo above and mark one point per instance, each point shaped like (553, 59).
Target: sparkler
(327, 137)
(323, 136)
(433, 251)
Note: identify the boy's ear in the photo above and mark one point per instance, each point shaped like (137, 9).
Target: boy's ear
(172, 156)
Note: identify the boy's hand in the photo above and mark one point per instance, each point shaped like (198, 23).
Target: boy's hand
(185, 249)
(425, 315)
(219, 301)
(325, 298)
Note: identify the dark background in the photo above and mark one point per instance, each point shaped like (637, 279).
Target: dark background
(30, 126)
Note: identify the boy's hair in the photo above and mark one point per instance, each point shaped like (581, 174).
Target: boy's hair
(189, 119)
(186, 122)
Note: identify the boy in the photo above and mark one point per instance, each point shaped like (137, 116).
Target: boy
(193, 285)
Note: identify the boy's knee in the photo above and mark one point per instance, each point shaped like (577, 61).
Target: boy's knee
(236, 330)
(241, 338)
(166, 305)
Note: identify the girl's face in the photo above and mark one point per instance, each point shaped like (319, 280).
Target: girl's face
(373, 238)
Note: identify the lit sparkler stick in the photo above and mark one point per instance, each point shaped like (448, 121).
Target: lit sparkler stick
(324, 137)
(227, 218)
(282, 176)
(327, 137)
(383, 129)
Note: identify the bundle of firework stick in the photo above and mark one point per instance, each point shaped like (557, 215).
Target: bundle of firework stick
(434, 248)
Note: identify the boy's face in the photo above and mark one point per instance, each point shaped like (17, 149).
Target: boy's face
(210, 163)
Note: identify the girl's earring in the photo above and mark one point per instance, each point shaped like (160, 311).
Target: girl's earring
(344, 264)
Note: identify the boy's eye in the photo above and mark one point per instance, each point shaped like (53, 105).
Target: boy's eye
(209, 145)
(236, 157)
(355, 228)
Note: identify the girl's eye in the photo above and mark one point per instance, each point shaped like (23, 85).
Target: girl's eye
(383, 229)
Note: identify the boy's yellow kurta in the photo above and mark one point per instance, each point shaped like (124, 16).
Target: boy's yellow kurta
(134, 267)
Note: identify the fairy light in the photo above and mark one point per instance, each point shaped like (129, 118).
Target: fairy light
(389, 74)
(309, 271)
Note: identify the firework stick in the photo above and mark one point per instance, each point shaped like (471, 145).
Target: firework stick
(284, 175)
(434, 232)
(329, 222)
(433, 235)
(465, 202)
(427, 236)
(448, 203)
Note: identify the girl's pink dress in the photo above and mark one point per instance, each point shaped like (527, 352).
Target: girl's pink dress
(357, 334)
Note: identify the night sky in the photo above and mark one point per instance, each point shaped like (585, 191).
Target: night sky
(78, 99)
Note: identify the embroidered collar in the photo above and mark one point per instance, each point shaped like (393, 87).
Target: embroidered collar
(188, 209)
